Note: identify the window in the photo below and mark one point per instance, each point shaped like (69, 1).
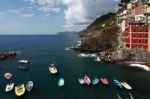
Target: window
(140, 28)
(133, 28)
(146, 29)
(133, 35)
(140, 41)
(146, 35)
(140, 34)
(145, 41)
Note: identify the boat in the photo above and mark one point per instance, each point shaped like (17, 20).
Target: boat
(20, 90)
(95, 81)
(81, 81)
(105, 81)
(118, 83)
(87, 80)
(61, 82)
(8, 75)
(29, 86)
(23, 61)
(23, 67)
(126, 86)
(53, 69)
(9, 87)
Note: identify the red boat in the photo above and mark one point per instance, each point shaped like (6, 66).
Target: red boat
(104, 81)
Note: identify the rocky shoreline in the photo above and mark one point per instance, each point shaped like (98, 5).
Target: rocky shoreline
(5, 55)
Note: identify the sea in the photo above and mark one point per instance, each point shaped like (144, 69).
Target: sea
(42, 50)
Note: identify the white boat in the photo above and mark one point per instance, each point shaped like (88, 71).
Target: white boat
(81, 81)
(23, 61)
(126, 86)
(87, 80)
(8, 75)
(53, 69)
(9, 87)
(29, 86)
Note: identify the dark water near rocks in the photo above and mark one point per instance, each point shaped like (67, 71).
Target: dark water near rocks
(41, 50)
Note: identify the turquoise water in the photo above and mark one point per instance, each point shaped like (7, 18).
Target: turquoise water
(41, 50)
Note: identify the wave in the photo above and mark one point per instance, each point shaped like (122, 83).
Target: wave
(18, 52)
(119, 97)
(140, 66)
(98, 59)
(131, 97)
(87, 55)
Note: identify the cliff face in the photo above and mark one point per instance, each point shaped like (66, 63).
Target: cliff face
(100, 35)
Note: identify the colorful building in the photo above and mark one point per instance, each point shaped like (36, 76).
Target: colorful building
(133, 21)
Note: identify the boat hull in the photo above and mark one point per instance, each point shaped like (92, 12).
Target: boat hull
(20, 90)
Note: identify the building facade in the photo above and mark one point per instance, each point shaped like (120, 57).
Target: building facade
(134, 24)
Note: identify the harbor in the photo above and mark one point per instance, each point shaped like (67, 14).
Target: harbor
(70, 67)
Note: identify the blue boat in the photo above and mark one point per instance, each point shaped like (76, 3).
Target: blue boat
(117, 83)
(61, 82)
(95, 81)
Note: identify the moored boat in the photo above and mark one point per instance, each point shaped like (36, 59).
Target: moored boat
(87, 80)
(53, 69)
(61, 82)
(104, 81)
(126, 86)
(20, 90)
(9, 87)
(23, 61)
(117, 83)
(8, 75)
(81, 81)
(29, 86)
(95, 81)
(23, 67)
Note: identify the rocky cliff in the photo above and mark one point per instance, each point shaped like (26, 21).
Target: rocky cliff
(101, 35)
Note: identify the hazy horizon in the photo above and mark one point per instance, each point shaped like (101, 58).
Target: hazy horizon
(50, 16)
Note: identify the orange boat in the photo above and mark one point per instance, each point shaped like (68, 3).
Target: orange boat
(104, 81)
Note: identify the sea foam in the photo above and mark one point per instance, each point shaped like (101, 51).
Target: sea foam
(140, 66)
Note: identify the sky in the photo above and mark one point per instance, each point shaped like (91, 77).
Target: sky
(50, 16)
